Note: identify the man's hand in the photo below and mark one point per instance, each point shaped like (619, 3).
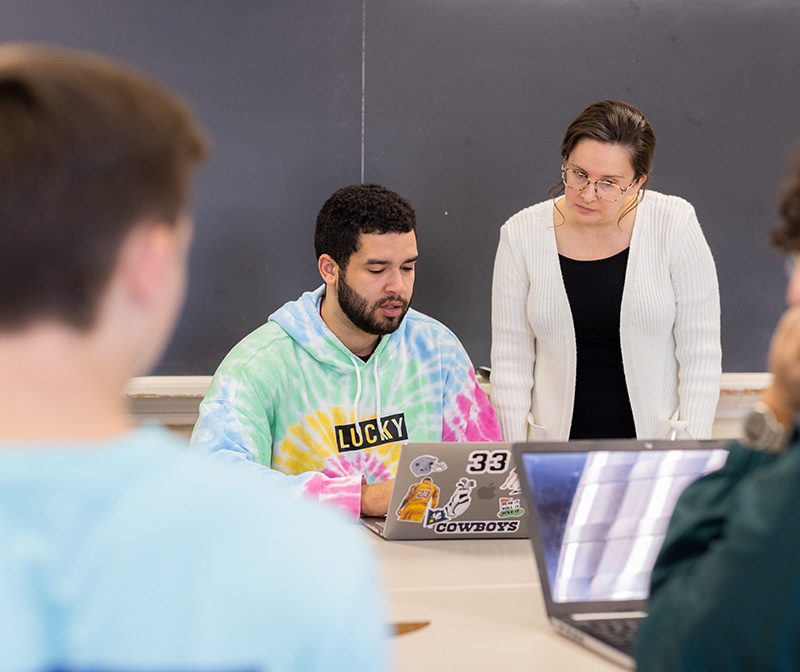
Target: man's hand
(375, 498)
(783, 395)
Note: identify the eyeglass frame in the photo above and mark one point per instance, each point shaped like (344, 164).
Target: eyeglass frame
(622, 191)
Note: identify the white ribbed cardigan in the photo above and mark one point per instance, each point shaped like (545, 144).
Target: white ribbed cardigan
(669, 326)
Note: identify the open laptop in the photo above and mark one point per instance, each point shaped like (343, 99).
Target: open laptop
(454, 491)
(597, 515)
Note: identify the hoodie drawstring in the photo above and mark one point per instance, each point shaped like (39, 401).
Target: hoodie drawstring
(357, 400)
(377, 398)
(356, 417)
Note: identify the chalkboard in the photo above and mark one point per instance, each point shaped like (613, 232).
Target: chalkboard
(459, 105)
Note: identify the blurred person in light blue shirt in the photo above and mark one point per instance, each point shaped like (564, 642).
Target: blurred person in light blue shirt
(119, 550)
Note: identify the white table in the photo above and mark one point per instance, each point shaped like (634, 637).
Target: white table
(484, 605)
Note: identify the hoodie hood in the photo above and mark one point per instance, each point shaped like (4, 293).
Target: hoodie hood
(302, 321)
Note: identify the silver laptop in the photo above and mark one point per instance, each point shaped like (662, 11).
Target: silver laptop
(598, 513)
(454, 491)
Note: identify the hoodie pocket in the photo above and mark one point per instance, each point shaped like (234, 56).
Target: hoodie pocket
(535, 432)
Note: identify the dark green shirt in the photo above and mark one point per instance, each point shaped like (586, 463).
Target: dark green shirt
(725, 590)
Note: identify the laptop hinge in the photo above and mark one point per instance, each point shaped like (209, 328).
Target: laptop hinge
(607, 615)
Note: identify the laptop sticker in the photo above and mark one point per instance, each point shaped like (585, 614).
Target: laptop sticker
(488, 461)
(476, 527)
(457, 504)
(425, 465)
(512, 483)
(510, 507)
(419, 498)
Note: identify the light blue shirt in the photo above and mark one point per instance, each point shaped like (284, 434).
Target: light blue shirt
(135, 555)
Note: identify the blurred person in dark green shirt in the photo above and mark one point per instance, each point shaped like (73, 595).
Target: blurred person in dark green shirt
(725, 590)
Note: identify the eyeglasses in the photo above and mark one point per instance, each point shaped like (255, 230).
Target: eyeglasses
(577, 180)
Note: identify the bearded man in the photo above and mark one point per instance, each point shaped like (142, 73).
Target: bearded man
(327, 391)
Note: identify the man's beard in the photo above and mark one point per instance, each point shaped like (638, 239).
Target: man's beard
(354, 306)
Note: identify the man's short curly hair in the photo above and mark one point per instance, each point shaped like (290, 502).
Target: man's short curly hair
(356, 209)
(787, 236)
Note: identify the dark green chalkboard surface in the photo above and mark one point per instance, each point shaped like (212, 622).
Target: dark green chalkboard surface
(460, 106)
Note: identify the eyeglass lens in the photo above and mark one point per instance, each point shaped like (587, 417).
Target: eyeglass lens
(604, 189)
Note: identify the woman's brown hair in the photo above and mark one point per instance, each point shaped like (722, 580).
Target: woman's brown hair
(614, 122)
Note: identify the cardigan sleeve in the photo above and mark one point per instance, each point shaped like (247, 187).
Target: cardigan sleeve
(697, 331)
(513, 341)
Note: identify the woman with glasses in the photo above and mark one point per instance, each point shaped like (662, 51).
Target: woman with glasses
(605, 303)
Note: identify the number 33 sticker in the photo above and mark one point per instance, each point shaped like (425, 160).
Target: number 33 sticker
(492, 461)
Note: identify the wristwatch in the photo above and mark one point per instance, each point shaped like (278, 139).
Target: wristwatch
(761, 430)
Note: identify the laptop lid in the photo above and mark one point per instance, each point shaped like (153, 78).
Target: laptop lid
(455, 491)
(598, 513)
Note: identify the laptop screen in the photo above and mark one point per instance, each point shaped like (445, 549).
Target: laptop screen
(602, 515)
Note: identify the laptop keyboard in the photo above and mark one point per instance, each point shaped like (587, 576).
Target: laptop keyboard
(619, 633)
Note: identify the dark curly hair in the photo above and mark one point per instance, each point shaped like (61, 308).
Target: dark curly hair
(356, 209)
(787, 236)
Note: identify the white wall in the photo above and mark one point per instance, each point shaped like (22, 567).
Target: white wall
(173, 400)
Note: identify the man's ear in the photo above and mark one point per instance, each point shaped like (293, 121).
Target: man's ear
(328, 269)
(147, 259)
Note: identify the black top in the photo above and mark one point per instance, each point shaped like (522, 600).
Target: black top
(594, 289)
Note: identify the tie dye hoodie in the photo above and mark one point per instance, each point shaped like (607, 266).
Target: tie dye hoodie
(291, 397)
